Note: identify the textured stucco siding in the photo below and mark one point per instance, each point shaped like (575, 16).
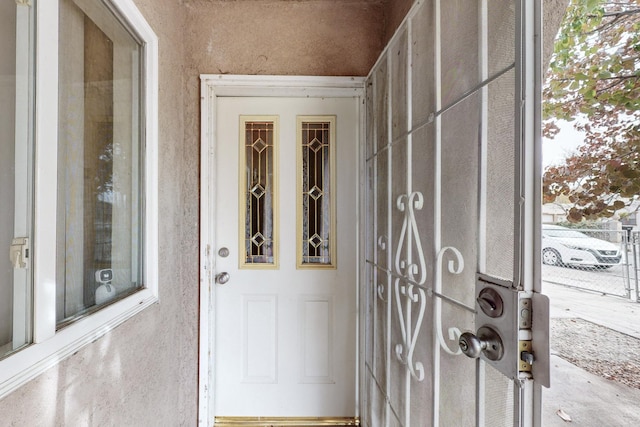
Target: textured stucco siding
(395, 11)
(283, 37)
(145, 371)
(553, 12)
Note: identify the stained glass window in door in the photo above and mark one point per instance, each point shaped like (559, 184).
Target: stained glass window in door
(258, 183)
(316, 192)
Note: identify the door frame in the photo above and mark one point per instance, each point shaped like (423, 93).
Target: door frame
(213, 86)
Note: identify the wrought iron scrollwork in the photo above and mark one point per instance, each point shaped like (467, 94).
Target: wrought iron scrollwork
(409, 297)
(409, 234)
(382, 245)
(454, 266)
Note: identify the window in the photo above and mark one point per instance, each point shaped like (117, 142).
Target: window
(99, 158)
(16, 83)
(78, 163)
(259, 191)
(316, 192)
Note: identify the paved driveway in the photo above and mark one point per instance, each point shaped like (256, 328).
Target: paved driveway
(590, 400)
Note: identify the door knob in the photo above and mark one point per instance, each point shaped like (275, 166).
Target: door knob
(222, 278)
(486, 342)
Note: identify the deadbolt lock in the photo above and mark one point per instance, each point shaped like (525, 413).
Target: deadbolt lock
(490, 302)
(486, 342)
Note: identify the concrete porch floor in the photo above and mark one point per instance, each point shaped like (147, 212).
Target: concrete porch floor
(590, 400)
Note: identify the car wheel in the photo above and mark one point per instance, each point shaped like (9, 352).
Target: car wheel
(551, 257)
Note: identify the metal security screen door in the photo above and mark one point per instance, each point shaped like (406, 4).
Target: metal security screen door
(450, 202)
(285, 259)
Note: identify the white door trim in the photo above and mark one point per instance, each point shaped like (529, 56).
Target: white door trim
(211, 87)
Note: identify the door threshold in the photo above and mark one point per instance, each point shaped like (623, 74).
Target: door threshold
(285, 421)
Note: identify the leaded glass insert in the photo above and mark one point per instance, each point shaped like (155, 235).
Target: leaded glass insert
(316, 192)
(259, 192)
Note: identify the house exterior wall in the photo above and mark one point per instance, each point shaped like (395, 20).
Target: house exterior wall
(395, 11)
(553, 12)
(325, 37)
(145, 371)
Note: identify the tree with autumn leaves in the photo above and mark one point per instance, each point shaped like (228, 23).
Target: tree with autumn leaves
(593, 81)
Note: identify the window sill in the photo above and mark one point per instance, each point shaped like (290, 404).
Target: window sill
(25, 365)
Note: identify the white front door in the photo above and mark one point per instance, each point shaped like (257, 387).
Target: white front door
(285, 248)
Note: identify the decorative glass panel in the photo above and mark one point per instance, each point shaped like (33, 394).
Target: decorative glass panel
(259, 188)
(316, 191)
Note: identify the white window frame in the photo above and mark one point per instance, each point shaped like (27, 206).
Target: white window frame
(48, 345)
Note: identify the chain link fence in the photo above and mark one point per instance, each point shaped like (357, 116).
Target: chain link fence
(635, 261)
(604, 261)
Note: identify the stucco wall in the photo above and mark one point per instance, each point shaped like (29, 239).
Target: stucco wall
(145, 371)
(395, 11)
(325, 37)
(553, 13)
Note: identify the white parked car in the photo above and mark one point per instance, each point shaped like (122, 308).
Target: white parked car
(564, 246)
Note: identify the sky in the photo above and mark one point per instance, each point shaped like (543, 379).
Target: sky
(554, 151)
